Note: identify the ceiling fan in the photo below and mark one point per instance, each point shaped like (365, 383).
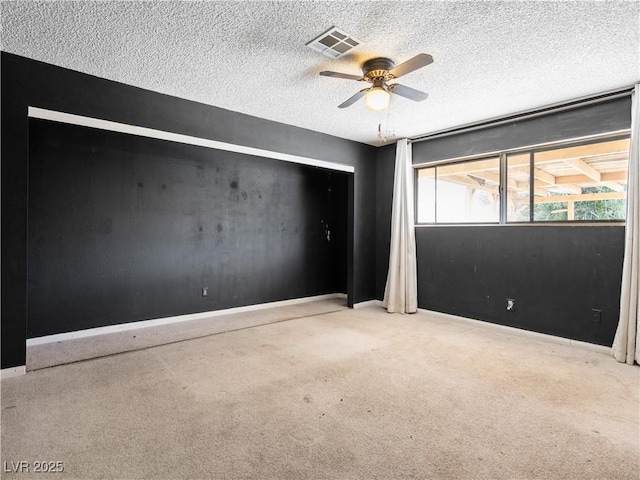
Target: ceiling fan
(378, 71)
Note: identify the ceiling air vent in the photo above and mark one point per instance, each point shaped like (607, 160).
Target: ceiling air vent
(334, 43)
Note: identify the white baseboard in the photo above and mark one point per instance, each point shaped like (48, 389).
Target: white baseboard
(13, 372)
(91, 332)
(368, 303)
(521, 332)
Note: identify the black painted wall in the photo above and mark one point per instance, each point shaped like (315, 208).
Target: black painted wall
(123, 227)
(30, 83)
(608, 116)
(385, 170)
(556, 274)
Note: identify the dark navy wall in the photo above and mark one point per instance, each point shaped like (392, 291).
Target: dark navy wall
(30, 83)
(556, 274)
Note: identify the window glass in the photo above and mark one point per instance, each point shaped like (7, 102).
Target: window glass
(466, 192)
(426, 195)
(582, 182)
(518, 187)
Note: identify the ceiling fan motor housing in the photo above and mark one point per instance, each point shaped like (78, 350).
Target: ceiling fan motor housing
(377, 68)
(378, 71)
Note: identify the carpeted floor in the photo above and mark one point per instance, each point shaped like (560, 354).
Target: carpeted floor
(74, 350)
(350, 394)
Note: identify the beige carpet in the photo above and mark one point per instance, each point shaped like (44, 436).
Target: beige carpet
(74, 350)
(352, 394)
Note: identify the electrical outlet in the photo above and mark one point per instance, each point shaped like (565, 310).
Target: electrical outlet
(511, 304)
(205, 291)
(596, 315)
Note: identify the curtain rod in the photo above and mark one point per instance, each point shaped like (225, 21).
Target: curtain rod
(526, 114)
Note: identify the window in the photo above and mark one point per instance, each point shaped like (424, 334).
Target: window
(582, 182)
(578, 181)
(465, 192)
(518, 187)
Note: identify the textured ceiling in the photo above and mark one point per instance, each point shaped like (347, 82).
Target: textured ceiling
(491, 58)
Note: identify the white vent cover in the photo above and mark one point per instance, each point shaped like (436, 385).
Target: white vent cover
(334, 43)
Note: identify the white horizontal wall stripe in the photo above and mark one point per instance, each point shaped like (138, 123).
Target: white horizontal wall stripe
(41, 113)
(91, 332)
(13, 372)
(368, 303)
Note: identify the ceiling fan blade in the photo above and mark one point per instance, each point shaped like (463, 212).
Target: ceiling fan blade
(353, 99)
(341, 75)
(407, 92)
(419, 61)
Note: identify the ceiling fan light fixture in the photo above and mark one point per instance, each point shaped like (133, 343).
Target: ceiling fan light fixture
(378, 71)
(377, 98)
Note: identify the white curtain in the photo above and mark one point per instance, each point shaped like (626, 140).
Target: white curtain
(401, 291)
(626, 343)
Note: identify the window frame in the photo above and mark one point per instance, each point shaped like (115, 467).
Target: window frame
(449, 163)
(503, 156)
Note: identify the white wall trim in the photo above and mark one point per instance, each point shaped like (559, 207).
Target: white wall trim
(521, 332)
(122, 327)
(368, 303)
(44, 114)
(13, 372)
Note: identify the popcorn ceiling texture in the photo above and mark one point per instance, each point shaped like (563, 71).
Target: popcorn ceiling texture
(491, 58)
